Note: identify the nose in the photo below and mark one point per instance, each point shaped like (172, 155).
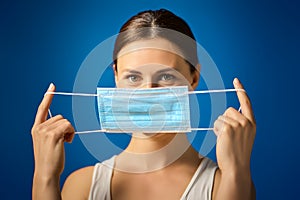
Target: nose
(150, 83)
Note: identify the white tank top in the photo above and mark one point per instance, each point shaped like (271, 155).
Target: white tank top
(200, 186)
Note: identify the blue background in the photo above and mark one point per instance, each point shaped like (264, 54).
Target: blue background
(257, 41)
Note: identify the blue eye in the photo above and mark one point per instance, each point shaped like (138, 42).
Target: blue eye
(133, 78)
(167, 77)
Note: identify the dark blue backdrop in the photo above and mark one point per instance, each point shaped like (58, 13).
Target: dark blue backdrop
(257, 41)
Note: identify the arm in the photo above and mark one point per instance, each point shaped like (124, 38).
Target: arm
(235, 137)
(233, 186)
(48, 146)
(76, 187)
(45, 188)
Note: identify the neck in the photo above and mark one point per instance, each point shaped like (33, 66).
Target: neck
(149, 153)
(147, 143)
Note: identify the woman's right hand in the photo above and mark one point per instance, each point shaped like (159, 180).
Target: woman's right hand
(48, 140)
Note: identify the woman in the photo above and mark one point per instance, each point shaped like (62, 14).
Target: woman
(168, 62)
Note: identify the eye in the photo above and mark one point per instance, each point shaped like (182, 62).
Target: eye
(134, 78)
(167, 77)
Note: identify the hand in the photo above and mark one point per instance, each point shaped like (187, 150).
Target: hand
(48, 140)
(235, 136)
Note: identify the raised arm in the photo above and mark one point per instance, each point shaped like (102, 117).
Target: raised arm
(49, 155)
(235, 137)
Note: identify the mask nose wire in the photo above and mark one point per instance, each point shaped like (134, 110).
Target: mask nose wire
(96, 95)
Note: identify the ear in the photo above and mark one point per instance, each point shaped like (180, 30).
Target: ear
(115, 74)
(196, 76)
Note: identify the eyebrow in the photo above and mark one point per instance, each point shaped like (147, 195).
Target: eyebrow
(158, 72)
(132, 71)
(166, 70)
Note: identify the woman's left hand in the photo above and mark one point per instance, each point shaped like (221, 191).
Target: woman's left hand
(235, 136)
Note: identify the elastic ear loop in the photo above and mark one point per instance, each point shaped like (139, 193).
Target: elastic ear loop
(103, 131)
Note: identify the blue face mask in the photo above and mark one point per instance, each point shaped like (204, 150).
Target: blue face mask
(164, 109)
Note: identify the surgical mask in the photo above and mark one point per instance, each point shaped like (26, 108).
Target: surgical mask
(154, 110)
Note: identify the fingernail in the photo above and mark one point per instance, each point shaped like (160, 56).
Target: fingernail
(236, 81)
(50, 86)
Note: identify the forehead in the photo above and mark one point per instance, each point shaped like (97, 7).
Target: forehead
(149, 56)
(155, 51)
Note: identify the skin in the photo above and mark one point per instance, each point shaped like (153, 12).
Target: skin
(235, 136)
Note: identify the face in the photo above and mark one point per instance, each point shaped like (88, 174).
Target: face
(161, 65)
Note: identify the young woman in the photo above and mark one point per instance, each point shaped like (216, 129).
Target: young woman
(146, 57)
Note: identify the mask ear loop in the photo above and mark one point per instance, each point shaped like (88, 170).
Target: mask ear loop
(103, 131)
(240, 109)
(218, 91)
(49, 112)
(214, 91)
(74, 94)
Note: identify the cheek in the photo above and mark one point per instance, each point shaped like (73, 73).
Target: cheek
(192, 80)
(187, 76)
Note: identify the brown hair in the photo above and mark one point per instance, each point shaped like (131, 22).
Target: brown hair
(149, 25)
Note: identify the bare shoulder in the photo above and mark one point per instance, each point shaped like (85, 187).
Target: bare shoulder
(77, 185)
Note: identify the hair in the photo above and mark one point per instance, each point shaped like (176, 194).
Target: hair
(149, 25)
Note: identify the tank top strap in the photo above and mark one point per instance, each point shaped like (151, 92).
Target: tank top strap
(201, 184)
(101, 181)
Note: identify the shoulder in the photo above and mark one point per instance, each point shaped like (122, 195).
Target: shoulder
(88, 180)
(77, 185)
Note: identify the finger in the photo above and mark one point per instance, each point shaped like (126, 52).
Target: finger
(60, 129)
(235, 115)
(228, 120)
(69, 131)
(42, 112)
(66, 127)
(242, 120)
(218, 127)
(69, 137)
(244, 101)
(49, 125)
(58, 121)
(52, 120)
